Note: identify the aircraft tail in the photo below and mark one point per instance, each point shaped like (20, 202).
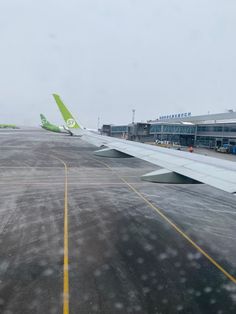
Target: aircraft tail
(43, 119)
(67, 116)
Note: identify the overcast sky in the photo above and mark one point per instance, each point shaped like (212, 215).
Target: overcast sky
(105, 57)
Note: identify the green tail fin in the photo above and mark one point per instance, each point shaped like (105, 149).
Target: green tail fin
(43, 119)
(67, 116)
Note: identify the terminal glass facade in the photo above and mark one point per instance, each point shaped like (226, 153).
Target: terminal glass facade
(119, 128)
(155, 128)
(172, 129)
(217, 128)
(203, 135)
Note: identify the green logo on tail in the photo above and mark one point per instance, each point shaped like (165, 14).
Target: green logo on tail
(43, 119)
(71, 123)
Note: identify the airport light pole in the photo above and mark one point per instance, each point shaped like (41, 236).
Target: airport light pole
(133, 115)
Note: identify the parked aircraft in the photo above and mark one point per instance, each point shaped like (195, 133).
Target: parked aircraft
(178, 166)
(53, 128)
(8, 126)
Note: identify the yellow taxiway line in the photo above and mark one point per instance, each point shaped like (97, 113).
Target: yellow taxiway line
(182, 233)
(66, 250)
(66, 259)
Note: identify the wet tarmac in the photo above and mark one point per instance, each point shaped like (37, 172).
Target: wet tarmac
(124, 257)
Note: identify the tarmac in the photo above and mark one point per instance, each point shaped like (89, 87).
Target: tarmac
(83, 234)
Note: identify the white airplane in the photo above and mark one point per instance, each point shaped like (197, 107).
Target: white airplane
(178, 166)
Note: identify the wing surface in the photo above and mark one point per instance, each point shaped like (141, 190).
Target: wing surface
(212, 171)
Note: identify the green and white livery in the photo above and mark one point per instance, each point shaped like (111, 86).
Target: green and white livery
(51, 127)
(67, 116)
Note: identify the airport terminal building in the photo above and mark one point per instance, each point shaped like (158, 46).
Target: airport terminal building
(210, 131)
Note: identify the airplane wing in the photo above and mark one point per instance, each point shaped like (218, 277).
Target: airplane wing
(179, 166)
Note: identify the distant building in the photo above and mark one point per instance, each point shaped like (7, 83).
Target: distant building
(205, 131)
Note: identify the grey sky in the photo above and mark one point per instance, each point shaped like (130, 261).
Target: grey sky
(105, 57)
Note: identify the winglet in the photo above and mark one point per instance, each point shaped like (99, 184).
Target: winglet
(67, 116)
